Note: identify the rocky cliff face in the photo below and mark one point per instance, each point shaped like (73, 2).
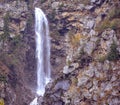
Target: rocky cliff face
(91, 33)
(17, 49)
(85, 52)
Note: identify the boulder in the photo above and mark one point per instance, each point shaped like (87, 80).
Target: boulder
(82, 80)
(89, 47)
(71, 68)
(55, 5)
(64, 85)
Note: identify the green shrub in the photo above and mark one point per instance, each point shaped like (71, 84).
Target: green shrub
(113, 55)
(2, 78)
(42, 1)
(102, 59)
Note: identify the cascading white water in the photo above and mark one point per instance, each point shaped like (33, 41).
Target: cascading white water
(34, 102)
(42, 51)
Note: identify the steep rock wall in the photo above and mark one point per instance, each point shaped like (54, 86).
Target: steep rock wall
(85, 52)
(17, 52)
(91, 41)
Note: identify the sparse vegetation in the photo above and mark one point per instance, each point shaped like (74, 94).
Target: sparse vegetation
(75, 39)
(112, 20)
(51, 16)
(114, 12)
(29, 23)
(85, 2)
(103, 25)
(16, 40)
(74, 81)
(81, 53)
(113, 55)
(29, 4)
(6, 27)
(2, 102)
(113, 24)
(68, 63)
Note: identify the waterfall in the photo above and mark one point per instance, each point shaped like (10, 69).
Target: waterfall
(42, 51)
(34, 102)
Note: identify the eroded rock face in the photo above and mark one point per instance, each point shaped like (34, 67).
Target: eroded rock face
(16, 42)
(84, 60)
(88, 68)
(17, 14)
